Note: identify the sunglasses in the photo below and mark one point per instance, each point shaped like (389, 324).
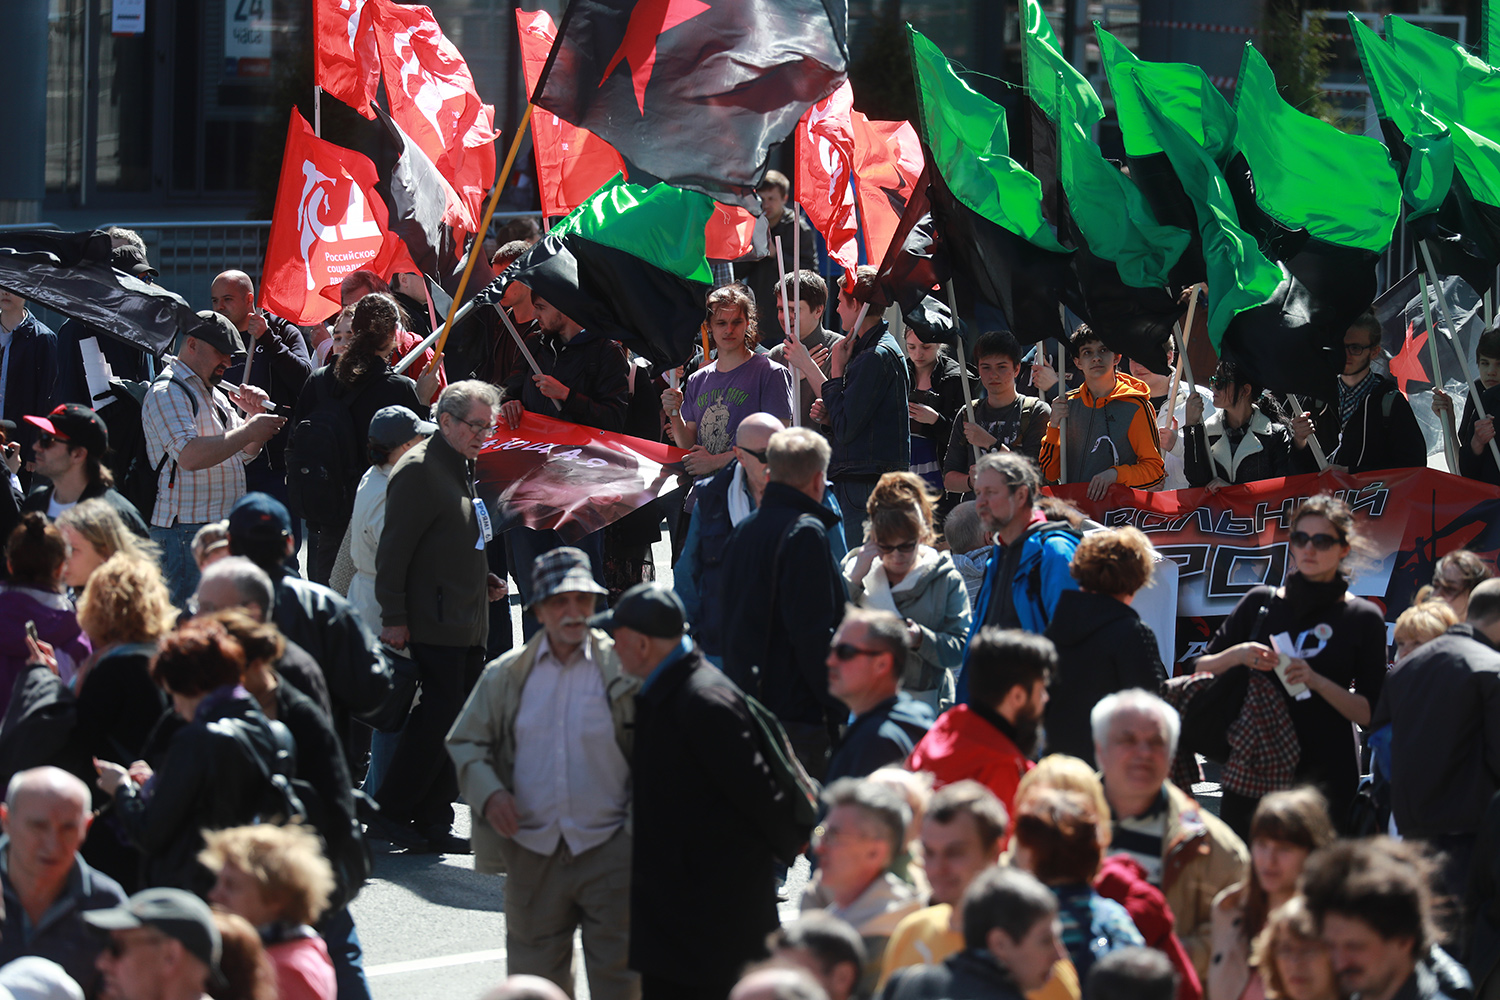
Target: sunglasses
(117, 947)
(1322, 541)
(45, 440)
(846, 651)
(760, 456)
(903, 548)
(1447, 589)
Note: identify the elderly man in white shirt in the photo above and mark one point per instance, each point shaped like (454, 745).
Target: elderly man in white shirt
(543, 756)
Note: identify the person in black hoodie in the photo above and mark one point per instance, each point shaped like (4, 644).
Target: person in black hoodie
(1475, 435)
(936, 396)
(1102, 644)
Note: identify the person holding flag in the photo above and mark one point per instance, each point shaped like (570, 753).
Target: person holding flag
(1474, 435)
(761, 275)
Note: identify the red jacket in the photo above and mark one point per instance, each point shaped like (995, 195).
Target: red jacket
(962, 745)
(1122, 879)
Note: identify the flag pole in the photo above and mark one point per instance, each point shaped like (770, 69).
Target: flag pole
(1062, 395)
(317, 111)
(478, 246)
(530, 359)
(410, 357)
(963, 366)
(796, 311)
(1450, 449)
(786, 308)
(1312, 439)
(1452, 335)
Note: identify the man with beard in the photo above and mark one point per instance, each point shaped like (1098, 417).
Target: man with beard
(992, 738)
(200, 443)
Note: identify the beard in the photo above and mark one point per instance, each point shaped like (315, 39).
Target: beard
(1031, 735)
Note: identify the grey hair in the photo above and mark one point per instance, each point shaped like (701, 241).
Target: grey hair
(780, 982)
(885, 629)
(459, 398)
(880, 803)
(797, 455)
(1135, 700)
(128, 235)
(252, 583)
(963, 529)
(52, 779)
(1015, 469)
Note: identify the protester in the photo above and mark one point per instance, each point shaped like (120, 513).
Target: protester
(1443, 706)
(278, 363)
(434, 588)
(1173, 440)
(245, 971)
(556, 823)
(48, 886)
(503, 353)
(1057, 838)
(341, 329)
(788, 597)
(95, 532)
(762, 274)
(703, 792)
(811, 295)
(36, 555)
(1240, 442)
(431, 378)
(1187, 852)
(1332, 641)
(1475, 435)
(864, 673)
(277, 879)
(1286, 828)
(1372, 426)
(936, 395)
(707, 411)
(162, 943)
(770, 981)
(1111, 436)
(1132, 974)
(330, 428)
(208, 779)
(1454, 578)
(862, 834)
(1102, 644)
(968, 547)
(28, 367)
(210, 544)
(992, 738)
(864, 400)
(1011, 942)
(1001, 420)
(1290, 958)
(829, 949)
(70, 447)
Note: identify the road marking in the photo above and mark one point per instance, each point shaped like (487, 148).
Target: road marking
(440, 962)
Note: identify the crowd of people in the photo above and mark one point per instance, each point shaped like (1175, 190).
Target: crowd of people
(256, 617)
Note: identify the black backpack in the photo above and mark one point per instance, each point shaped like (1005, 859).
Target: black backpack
(323, 463)
(143, 470)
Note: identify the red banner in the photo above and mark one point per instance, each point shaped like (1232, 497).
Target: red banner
(1227, 542)
(825, 175)
(346, 63)
(550, 473)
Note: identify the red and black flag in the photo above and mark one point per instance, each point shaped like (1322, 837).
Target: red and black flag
(691, 92)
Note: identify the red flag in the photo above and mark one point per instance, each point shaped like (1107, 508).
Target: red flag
(328, 222)
(825, 175)
(346, 62)
(730, 232)
(434, 101)
(887, 163)
(571, 162)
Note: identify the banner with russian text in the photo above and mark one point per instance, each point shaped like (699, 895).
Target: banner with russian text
(550, 473)
(1227, 542)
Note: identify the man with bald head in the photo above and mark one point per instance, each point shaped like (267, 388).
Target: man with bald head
(721, 503)
(47, 884)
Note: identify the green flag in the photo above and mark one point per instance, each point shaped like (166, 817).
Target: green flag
(1309, 175)
(1049, 75)
(1458, 86)
(661, 224)
(966, 134)
(1239, 275)
(1489, 21)
(1181, 92)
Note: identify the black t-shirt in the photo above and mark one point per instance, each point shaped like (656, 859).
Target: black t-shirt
(1004, 422)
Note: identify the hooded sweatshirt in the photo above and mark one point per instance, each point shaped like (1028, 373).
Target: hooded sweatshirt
(1117, 431)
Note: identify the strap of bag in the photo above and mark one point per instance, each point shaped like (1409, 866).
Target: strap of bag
(760, 678)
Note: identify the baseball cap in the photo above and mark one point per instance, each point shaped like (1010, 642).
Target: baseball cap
(393, 426)
(259, 517)
(78, 425)
(32, 977)
(175, 912)
(216, 330)
(647, 608)
(132, 260)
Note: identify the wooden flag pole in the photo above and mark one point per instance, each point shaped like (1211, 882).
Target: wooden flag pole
(963, 365)
(796, 308)
(1312, 439)
(1452, 334)
(786, 308)
(530, 359)
(478, 246)
(1450, 436)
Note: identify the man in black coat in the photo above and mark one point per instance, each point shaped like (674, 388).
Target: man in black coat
(28, 369)
(1011, 942)
(864, 672)
(784, 596)
(710, 819)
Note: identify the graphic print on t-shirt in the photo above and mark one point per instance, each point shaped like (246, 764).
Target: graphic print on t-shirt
(713, 425)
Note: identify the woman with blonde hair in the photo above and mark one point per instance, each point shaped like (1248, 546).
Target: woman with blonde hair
(1291, 958)
(95, 531)
(899, 570)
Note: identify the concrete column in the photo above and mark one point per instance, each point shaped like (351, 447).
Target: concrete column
(23, 81)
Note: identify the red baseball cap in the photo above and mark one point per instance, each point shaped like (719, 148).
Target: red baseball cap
(78, 425)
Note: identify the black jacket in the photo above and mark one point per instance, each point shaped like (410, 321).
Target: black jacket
(31, 379)
(709, 823)
(40, 498)
(1482, 465)
(1369, 441)
(783, 598)
(320, 763)
(1102, 647)
(126, 361)
(886, 734)
(946, 396)
(1263, 453)
(968, 975)
(591, 365)
(1443, 706)
(867, 410)
(205, 782)
(279, 364)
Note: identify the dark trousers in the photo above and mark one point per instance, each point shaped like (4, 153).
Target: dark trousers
(501, 635)
(323, 541)
(853, 495)
(812, 744)
(657, 988)
(523, 545)
(338, 933)
(421, 785)
(1236, 811)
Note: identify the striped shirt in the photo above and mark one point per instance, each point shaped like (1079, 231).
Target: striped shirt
(169, 423)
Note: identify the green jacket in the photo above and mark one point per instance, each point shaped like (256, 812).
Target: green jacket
(429, 575)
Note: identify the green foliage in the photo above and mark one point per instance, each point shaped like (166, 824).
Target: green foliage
(1298, 56)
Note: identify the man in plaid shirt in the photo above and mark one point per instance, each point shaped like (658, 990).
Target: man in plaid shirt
(202, 443)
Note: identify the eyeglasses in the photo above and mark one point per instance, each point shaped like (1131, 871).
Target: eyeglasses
(480, 428)
(846, 651)
(1356, 348)
(904, 548)
(760, 456)
(1322, 541)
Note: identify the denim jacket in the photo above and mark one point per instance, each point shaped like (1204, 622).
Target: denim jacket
(867, 408)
